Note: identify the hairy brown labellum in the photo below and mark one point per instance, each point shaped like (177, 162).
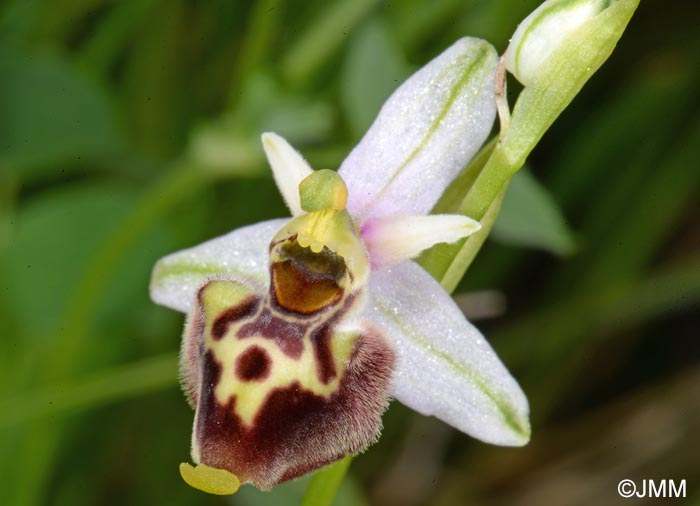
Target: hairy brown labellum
(287, 381)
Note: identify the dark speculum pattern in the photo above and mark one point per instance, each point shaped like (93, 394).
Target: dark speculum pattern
(287, 334)
(295, 430)
(321, 341)
(244, 309)
(254, 364)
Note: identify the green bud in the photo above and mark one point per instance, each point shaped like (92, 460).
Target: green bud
(549, 26)
(553, 53)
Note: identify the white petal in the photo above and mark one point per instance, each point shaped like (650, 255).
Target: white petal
(241, 254)
(425, 134)
(445, 366)
(393, 239)
(288, 169)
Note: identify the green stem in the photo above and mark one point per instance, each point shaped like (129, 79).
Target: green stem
(458, 265)
(485, 183)
(324, 484)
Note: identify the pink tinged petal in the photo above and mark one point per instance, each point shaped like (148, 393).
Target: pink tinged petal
(445, 366)
(288, 168)
(393, 239)
(241, 254)
(425, 134)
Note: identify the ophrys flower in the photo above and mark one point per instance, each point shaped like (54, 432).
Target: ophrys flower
(300, 330)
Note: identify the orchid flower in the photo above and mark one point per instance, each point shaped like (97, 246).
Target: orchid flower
(300, 330)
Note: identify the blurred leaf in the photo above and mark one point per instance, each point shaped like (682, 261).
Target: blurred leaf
(613, 129)
(51, 115)
(530, 218)
(325, 34)
(8, 192)
(109, 385)
(231, 144)
(61, 19)
(155, 93)
(112, 34)
(374, 67)
(16, 21)
(646, 172)
(646, 223)
(54, 239)
(218, 149)
(417, 22)
(268, 106)
(260, 34)
(494, 21)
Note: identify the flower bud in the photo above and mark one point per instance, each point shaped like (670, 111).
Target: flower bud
(544, 31)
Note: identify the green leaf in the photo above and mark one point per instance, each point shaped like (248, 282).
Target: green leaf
(51, 115)
(267, 105)
(54, 239)
(117, 383)
(8, 192)
(231, 144)
(373, 68)
(324, 35)
(530, 218)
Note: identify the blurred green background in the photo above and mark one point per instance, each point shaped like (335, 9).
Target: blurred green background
(130, 129)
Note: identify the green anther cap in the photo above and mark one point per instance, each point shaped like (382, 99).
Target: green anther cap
(324, 189)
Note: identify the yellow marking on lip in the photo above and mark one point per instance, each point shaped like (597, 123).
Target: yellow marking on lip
(284, 371)
(220, 295)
